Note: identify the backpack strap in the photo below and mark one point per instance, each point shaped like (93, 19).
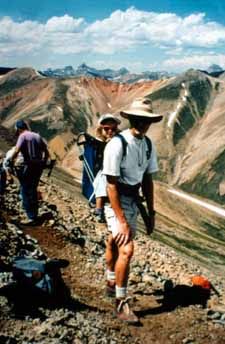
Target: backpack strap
(149, 144)
(124, 144)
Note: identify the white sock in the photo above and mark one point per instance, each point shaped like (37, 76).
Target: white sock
(121, 293)
(111, 276)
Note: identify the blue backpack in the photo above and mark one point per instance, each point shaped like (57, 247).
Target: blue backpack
(36, 283)
(92, 156)
(91, 153)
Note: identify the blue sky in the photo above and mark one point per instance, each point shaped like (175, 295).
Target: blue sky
(141, 35)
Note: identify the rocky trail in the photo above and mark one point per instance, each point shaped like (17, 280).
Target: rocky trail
(69, 231)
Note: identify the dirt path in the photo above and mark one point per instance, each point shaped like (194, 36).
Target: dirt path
(180, 325)
(85, 277)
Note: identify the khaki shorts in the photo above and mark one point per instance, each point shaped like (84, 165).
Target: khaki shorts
(131, 212)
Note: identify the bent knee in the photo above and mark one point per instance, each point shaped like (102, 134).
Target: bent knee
(111, 244)
(127, 251)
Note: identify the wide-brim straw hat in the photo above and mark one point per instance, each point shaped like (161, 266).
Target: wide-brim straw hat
(141, 107)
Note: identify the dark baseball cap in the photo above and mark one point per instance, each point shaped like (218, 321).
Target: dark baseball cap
(20, 124)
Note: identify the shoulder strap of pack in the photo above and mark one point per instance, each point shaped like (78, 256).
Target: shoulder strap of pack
(124, 143)
(149, 144)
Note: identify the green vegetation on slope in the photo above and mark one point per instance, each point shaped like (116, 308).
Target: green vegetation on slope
(16, 79)
(186, 122)
(196, 104)
(43, 128)
(7, 109)
(72, 118)
(169, 92)
(200, 92)
(204, 187)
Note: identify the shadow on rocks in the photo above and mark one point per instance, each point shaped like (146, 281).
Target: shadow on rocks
(178, 296)
(24, 302)
(26, 298)
(5, 339)
(40, 221)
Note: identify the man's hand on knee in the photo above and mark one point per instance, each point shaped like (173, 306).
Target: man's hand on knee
(124, 234)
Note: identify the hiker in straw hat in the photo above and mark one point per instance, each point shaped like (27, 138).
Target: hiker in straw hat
(127, 173)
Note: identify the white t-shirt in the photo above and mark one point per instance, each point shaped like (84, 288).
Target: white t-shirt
(131, 167)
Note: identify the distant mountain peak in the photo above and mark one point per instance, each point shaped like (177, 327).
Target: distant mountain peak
(214, 68)
(122, 75)
(123, 70)
(83, 66)
(69, 68)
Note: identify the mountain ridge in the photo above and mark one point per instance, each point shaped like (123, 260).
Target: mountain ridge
(120, 75)
(60, 108)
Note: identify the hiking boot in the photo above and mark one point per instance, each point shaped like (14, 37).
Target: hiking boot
(29, 222)
(110, 290)
(100, 218)
(99, 215)
(124, 313)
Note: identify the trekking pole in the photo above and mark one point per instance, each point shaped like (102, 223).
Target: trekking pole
(51, 166)
(88, 170)
(214, 289)
(144, 216)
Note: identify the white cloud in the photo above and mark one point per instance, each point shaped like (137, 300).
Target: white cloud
(122, 31)
(64, 24)
(134, 27)
(27, 31)
(58, 35)
(195, 61)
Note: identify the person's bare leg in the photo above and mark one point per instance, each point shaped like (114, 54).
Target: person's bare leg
(123, 264)
(99, 203)
(123, 311)
(99, 209)
(111, 257)
(111, 253)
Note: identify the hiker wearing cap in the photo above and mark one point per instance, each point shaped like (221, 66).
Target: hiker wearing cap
(35, 154)
(126, 174)
(107, 128)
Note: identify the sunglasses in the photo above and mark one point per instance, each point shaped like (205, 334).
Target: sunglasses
(108, 128)
(137, 121)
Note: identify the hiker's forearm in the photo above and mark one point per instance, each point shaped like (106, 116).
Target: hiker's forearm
(15, 153)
